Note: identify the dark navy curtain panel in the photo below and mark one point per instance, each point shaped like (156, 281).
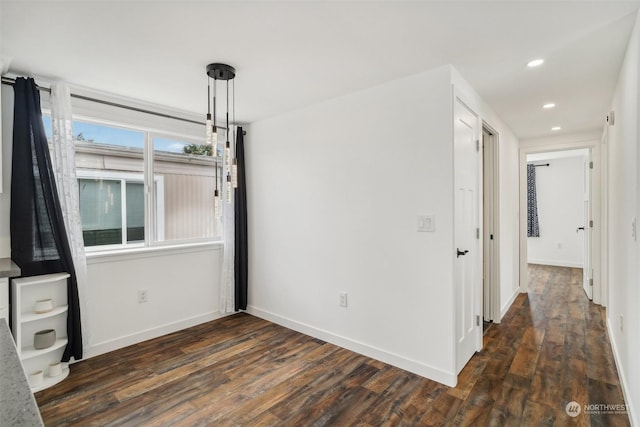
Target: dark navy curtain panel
(39, 243)
(533, 228)
(241, 266)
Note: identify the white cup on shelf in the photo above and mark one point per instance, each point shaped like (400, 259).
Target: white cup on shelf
(36, 378)
(43, 306)
(55, 369)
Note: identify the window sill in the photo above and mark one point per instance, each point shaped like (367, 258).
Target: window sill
(150, 251)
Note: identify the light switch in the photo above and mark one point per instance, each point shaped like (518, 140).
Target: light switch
(426, 223)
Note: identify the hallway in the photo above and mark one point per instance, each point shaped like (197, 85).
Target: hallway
(550, 349)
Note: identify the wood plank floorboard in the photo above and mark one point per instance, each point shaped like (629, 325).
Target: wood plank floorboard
(551, 348)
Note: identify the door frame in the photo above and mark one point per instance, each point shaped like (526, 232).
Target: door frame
(602, 297)
(491, 215)
(598, 184)
(587, 272)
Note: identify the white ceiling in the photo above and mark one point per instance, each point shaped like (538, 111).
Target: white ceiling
(289, 55)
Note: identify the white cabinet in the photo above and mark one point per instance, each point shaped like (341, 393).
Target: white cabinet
(4, 298)
(26, 322)
(7, 269)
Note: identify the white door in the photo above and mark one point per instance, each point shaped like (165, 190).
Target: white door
(466, 268)
(587, 270)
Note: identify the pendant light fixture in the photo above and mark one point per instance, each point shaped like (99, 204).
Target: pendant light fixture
(217, 72)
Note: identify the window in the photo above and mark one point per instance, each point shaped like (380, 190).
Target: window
(115, 166)
(188, 175)
(111, 208)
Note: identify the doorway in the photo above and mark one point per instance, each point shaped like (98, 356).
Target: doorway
(584, 236)
(559, 211)
(490, 226)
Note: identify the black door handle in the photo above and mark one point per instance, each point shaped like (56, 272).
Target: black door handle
(579, 228)
(461, 253)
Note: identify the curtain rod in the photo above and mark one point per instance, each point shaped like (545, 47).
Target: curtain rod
(543, 164)
(9, 81)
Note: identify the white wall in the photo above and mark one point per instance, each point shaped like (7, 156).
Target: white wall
(334, 190)
(333, 194)
(624, 200)
(509, 223)
(5, 196)
(560, 196)
(182, 283)
(182, 287)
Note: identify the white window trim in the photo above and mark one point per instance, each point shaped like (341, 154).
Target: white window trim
(120, 254)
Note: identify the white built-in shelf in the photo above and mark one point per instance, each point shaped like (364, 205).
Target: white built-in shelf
(49, 381)
(30, 352)
(32, 317)
(27, 291)
(45, 278)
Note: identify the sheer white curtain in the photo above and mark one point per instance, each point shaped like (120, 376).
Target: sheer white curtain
(64, 168)
(227, 280)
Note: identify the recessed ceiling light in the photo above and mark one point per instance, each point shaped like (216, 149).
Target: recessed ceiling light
(556, 128)
(535, 63)
(549, 105)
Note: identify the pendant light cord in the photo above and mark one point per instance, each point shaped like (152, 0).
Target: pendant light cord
(215, 85)
(227, 110)
(208, 95)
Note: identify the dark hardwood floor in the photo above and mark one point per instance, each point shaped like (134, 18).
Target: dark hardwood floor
(550, 349)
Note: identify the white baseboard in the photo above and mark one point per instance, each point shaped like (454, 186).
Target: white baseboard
(435, 374)
(124, 341)
(509, 303)
(555, 263)
(633, 415)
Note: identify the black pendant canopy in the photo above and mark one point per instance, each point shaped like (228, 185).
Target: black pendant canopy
(221, 71)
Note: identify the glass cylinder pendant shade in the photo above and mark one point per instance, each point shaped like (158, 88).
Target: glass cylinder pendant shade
(214, 140)
(227, 157)
(209, 126)
(216, 204)
(234, 173)
(229, 188)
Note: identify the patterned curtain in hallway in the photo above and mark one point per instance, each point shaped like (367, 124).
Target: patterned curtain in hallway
(533, 228)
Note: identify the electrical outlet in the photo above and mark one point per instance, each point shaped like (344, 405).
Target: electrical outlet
(142, 296)
(343, 299)
(621, 323)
